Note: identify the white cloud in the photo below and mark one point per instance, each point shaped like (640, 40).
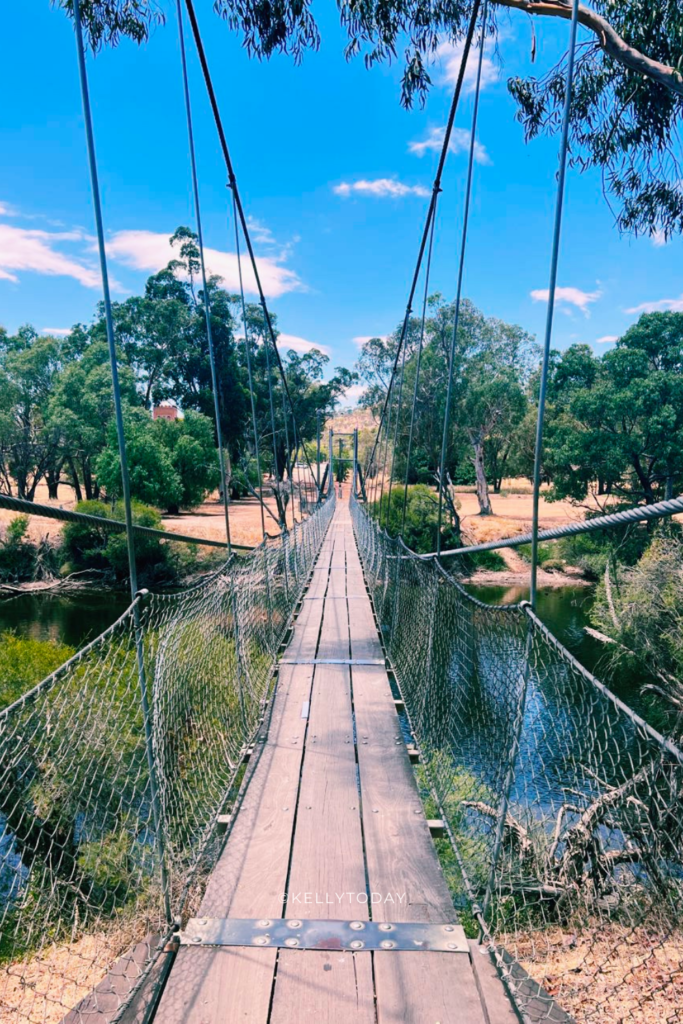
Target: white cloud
(568, 296)
(58, 332)
(662, 305)
(659, 239)
(287, 341)
(353, 395)
(449, 56)
(460, 143)
(608, 339)
(380, 187)
(7, 210)
(37, 252)
(151, 250)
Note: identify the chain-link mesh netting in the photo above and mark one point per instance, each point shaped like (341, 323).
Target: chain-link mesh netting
(564, 808)
(109, 804)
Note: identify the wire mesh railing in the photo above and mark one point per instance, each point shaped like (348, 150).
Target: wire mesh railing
(108, 806)
(563, 807)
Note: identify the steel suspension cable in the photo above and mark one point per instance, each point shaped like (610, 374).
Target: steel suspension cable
(233, 185)
(121, 437)
(461, 268)
(250, 376)
(436, 188)
(554, 260)
(398, 419)
(417, 373)
(207, 301)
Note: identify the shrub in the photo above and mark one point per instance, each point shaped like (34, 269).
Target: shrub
(420, 521)
(24, 662)
(17, 552)
(88, 546)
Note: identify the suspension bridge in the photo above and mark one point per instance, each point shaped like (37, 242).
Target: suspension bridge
(327, 783)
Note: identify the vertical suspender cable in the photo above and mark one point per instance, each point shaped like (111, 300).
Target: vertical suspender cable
(461, 267)
(417, 373)
(559, 203)
(250, 376)
(207, 304)
(144, 702)
(436, 188)
(270, 331)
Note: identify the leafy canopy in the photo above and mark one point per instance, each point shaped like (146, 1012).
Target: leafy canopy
(629, 84)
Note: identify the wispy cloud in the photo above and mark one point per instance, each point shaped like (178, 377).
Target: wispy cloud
(381, 188)
(58, 332)
(608, 339)
(449, 57)
(659, 238)
(7, 210)
(40, 252)
(287, 341)
(460, 143)
(568, 297)
(353, 395)
(660, 306)
(151, 250)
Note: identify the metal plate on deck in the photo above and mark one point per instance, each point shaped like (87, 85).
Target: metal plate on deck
(295, 933)
(333, 661)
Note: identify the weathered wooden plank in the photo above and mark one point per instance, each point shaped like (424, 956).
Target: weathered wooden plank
(211, 985)
(402, 864)
(327, 865)
(494, 996)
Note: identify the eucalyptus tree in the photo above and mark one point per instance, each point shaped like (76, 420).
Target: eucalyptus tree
(628, 99)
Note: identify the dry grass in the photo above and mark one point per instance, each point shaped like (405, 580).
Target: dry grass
(45, 986)
(610, 975)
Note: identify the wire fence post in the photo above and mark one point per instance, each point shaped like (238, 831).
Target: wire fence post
(330, 482)
(355, 462)
(554, 260)
(318, 453)
(125, 484)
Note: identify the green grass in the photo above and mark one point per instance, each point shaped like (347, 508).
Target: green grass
(24, 662)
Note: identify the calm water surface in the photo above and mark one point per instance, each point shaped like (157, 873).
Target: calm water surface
(72, 619)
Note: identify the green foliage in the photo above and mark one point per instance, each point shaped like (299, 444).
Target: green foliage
(491, 561)
(421, 518)
(190, 442)
(154, 479)
(17, 552)
(641, 608)
(24, 662)
(615, 423)
(87, 546)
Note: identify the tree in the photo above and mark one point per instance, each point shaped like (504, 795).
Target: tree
(154, 479)
(30, 448)
(171, 464)
(491, 369)
(190, 442)
(615, 424)
(629, 86)
(81, 410)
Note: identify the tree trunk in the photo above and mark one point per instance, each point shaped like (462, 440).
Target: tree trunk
(482, 483)
(87, 482)
(75, 481)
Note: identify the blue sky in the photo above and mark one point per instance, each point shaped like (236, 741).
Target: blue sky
(334, 175)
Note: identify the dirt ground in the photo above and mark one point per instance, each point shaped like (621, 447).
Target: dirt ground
(607, 975)
(512, 515)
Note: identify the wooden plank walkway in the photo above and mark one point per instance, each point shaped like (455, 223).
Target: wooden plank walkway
(331, 816)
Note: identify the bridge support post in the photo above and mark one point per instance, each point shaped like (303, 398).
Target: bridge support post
(330, 482)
